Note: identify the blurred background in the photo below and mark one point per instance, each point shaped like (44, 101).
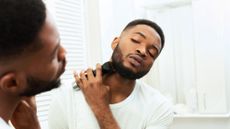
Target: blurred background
(193, 70)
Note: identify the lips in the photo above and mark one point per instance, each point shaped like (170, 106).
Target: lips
(136, 60)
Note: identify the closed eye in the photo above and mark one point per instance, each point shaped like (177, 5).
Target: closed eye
(153, 53)
(135, 41)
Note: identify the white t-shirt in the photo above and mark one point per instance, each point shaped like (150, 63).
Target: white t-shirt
(144, 108)
(3, 124)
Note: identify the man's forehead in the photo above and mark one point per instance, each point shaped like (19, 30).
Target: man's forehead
(141, 27)
(141, 34)
(144, 30)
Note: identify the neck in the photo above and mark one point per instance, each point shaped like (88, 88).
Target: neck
(7, 106)
(120, 87)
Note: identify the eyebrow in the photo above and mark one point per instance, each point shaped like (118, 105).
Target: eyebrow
(141, 34)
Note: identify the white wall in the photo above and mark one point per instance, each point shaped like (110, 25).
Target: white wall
(92, 31)
(198, 52)
(194, 63)
(114, 15)
(210, 56)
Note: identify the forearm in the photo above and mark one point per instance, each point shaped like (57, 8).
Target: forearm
(106, 119)
(29, 126)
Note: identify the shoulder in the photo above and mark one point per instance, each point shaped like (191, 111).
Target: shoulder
(152, 98)
(149, 93)
(158, 106)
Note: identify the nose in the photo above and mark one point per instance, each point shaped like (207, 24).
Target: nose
(142, 51)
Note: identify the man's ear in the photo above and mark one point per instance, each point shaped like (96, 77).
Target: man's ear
(10, 83)
(115, 42)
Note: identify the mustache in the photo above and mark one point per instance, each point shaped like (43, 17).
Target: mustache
(135, 54)
(138, 57)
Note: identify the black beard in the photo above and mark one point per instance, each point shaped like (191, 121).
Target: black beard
(36, 86)
(121, 69)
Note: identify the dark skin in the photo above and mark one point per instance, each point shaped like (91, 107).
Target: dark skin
(25, 106)
(47, 64)
(140, 46)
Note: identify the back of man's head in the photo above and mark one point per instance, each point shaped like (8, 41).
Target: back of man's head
(20, 23)
(152, 24)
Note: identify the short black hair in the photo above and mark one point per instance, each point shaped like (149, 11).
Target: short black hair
(148, 23)
(20, 23)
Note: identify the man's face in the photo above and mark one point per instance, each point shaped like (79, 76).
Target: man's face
(44, 67)
(135, 51)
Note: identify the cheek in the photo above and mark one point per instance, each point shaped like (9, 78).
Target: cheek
(149, 64)
(53, 70)
(49, 72)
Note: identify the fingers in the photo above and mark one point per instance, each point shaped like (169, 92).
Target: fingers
(98, 72)
(78, 80)
(30, 100)
(27, 103)
(87, 76)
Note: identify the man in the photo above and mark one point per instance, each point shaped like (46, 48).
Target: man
(117, 100)
(31, 60)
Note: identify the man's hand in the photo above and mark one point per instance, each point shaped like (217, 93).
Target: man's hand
(97, 96)
(25, 115)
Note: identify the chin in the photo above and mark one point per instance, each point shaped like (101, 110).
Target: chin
(36, 86)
